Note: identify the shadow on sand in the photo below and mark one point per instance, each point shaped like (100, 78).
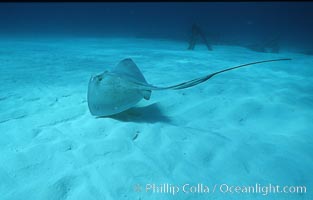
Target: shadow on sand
(147, 114)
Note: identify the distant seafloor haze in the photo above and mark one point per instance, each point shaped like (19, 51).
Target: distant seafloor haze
(244, 134)
(227, 21)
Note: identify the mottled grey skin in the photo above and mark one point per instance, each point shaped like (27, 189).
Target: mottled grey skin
(109, 94)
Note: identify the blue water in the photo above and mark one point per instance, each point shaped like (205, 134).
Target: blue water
(247, 128)
(229, 20)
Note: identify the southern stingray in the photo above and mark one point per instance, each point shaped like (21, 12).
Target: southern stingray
(115, 91)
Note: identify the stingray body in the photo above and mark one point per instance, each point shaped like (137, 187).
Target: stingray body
(115, 91)
(118, 90)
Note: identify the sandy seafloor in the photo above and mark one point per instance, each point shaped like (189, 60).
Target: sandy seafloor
(245, 127)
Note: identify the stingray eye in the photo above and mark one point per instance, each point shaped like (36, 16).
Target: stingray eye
(100, 78)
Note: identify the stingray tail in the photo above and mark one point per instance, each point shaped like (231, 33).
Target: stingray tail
(197, 81)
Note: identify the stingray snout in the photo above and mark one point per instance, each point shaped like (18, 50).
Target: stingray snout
(96, 78)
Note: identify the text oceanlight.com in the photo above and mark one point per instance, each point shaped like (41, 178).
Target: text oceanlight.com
(200, 188)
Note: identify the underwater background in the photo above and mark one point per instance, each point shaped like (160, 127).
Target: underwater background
(225, 22)
(249, 129)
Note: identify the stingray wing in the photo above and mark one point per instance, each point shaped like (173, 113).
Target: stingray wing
(128, 68)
